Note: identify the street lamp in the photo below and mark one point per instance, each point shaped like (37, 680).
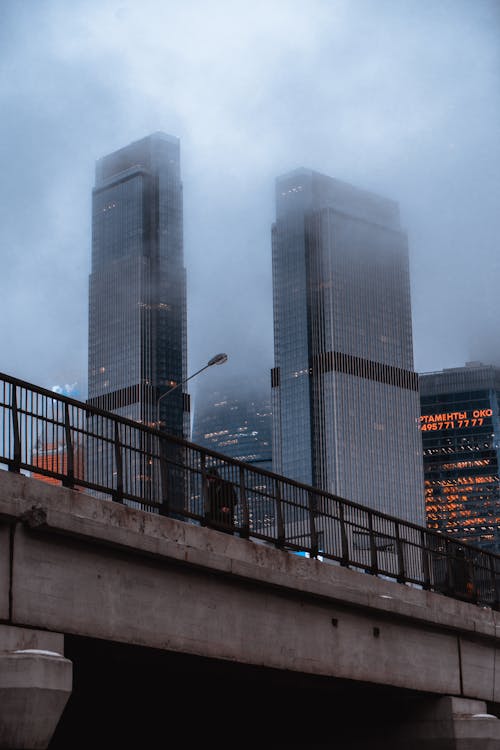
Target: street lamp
(219, 359)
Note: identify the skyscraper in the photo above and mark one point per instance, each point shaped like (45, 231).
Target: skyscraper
(137, 290)
(234, 418)
(460, 427)
(345, 396)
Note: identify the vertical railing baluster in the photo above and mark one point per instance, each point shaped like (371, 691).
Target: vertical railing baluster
(373, 546)
(280, 525)
(69, 478)
(118, 491)
(204, 489)
(16, 464)
(450, 581)
(424, 547)
(473, 577)
(494, 583)
(343, 536)
(245, 527)
(164, 488)
(399, 551)
(312, 524)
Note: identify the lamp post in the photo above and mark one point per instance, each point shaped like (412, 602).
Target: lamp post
(218, 359)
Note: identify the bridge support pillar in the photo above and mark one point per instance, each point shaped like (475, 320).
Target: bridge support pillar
(448, 723)
(35, 684)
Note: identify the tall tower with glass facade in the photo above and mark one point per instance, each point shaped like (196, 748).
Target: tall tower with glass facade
(137, 290)
(234, 417)
(345, 395)
(460, 425)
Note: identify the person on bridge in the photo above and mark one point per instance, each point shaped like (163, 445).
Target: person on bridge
(222, 500)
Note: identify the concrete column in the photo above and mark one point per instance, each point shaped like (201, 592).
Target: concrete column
(35, 684)
(446, 723)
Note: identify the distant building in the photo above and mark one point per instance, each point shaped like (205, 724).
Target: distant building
(234, 418)
(345, 394)
(53, 457)
(137, 293)
(460, 430)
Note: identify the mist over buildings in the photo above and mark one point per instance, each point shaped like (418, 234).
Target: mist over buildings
(402, 99)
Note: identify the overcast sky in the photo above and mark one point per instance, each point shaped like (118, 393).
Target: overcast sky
(401, 97)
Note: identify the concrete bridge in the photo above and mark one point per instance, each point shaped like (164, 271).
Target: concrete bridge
(121, 628)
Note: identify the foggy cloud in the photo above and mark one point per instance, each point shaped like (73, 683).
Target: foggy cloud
(401, 98)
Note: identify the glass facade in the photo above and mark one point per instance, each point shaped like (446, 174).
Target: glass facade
(345, 396)
(137, 286)
(460, 436)
(235, 419)
(137, 290)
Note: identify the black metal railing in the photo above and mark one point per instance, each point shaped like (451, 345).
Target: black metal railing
(61, 440)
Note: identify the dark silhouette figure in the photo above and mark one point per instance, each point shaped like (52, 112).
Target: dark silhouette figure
(463, 576)
(222, 500)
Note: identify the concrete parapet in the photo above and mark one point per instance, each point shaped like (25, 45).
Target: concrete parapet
(35, 685)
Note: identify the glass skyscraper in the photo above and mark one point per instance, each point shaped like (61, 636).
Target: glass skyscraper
(345, 395)
(137, 290)
(460, 426)
(234, 418)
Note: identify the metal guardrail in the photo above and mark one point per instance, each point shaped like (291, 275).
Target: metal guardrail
(61, 440)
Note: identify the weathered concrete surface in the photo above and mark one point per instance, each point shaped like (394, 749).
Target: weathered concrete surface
(446, 723)
(89, 567)
(479, 673)
(34, 688)
(4, 572)
(14, 639)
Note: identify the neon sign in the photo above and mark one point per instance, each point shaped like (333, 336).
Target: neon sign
(452, 420)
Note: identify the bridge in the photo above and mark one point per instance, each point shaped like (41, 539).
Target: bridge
(125, 617)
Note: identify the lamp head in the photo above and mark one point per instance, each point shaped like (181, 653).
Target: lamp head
(219, 359)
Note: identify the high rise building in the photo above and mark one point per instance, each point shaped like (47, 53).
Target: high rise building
(234, 418)
(460, 428)
(53, 457)
(345, 395)
(137, 291)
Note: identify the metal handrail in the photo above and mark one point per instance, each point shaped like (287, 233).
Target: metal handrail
(82, 446)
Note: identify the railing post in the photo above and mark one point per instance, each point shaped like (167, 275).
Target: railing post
(401, 559)
(16, 464)
(69, 479)
(312, 524)
(245, 528)
(343, 536)
(118, 492)
(472, 582)
(425, 561)
(450, 579)
(204, 490)
(494, 583)
(164, 488)
(373, 546)
(280, 541)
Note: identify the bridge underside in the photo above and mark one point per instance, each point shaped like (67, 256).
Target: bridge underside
(128, 695)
